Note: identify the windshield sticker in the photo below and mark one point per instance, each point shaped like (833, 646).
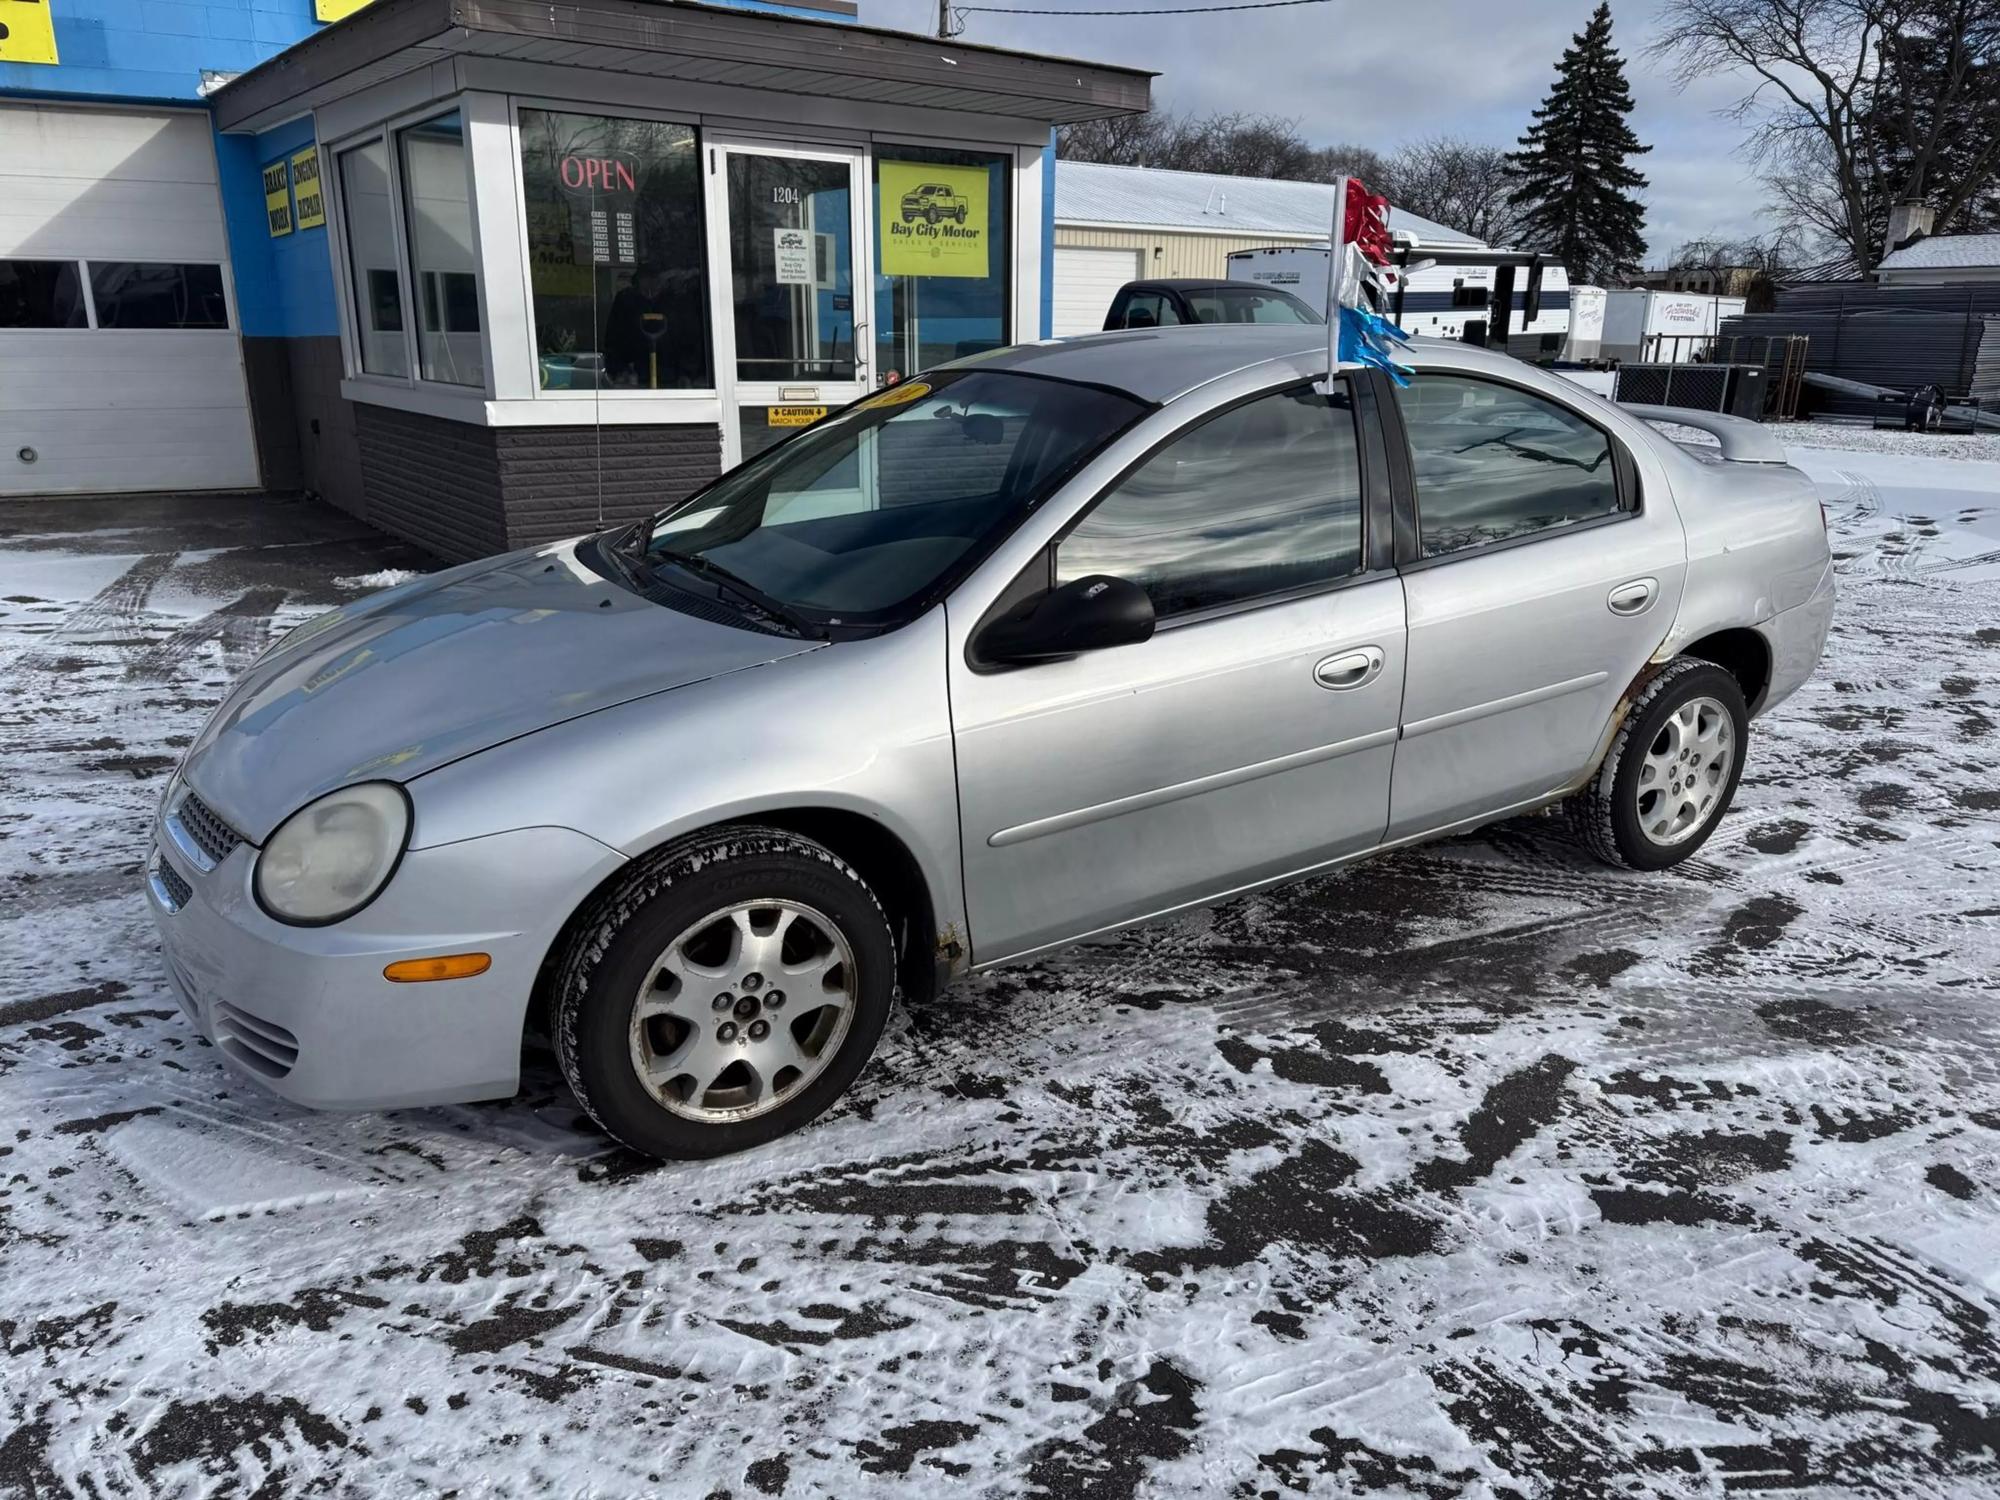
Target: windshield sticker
(898, 395)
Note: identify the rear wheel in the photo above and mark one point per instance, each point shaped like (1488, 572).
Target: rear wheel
(1671, 772)
(725, 995)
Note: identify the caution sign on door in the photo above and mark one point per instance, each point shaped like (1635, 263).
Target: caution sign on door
(934, 220)
(27, 32)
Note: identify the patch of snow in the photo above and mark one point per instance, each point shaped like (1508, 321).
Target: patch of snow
(386, 578)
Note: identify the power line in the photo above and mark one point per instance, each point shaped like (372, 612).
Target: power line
(1178, 10)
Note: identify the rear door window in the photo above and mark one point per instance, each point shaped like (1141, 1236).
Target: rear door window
(1494, 462)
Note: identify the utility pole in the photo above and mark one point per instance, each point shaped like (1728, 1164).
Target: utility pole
(944, 20)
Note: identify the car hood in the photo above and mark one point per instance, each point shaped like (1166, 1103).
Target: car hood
(411, 679)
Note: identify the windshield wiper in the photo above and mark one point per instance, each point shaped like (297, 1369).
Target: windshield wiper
(746, 592)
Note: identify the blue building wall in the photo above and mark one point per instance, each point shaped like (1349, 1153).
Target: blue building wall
(156, 50)
(284, 286)
(1049, 236)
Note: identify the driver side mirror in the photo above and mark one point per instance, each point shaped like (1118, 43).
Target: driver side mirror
(1086, 614)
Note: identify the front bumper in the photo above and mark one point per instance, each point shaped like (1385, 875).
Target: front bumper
(306, 1012)
(1797, 638)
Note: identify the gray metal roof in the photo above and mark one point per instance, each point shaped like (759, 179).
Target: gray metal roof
(679, 39)
(1158, 364)
(1155, 198)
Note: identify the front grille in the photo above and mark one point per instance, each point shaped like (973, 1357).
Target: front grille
(264, 1047)
(178, 890)
(212, 836)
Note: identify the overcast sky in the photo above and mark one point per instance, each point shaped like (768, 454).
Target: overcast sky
(1378, 74)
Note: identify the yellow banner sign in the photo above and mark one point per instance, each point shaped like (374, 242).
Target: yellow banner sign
(934, 220)
(306, 189)
(333, 10)
(278, 197)
(27, 32)
(792, 416)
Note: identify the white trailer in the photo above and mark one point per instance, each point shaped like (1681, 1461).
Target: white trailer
(1663, 327)
(1586, 323)
(1438, 301)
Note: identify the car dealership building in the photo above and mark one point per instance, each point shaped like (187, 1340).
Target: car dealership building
(489, 272)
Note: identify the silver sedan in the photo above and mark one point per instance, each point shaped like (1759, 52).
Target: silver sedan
(1050, 641)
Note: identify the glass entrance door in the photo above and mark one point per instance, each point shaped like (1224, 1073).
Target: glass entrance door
(788, 229)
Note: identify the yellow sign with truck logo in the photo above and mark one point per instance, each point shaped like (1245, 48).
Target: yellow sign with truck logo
(27, 32)
(278, 197)
(935, 220)
(334, 10)
(306, 190)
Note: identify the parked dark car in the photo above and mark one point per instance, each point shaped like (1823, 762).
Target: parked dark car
(1162, 304)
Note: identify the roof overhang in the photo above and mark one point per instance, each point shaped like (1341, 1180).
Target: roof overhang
(676, 39)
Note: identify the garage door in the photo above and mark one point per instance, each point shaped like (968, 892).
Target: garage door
(1085, 282)
(119, 362)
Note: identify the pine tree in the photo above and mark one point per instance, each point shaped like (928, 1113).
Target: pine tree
(1573, 185)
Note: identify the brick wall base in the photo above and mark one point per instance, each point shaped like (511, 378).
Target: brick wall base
(465, 492)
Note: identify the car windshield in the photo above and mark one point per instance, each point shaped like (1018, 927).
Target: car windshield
(882, 504)
(1228, 304)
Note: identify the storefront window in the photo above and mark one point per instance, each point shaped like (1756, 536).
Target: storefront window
(371, 259)
(615, 248)
(437, 207)
(943, 238)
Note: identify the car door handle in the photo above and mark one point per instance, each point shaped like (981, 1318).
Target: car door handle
(1350, 669)
(1634, 598)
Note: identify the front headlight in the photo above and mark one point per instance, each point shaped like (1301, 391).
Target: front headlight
(331, 857)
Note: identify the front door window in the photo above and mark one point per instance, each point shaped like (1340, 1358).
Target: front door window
(791, 257)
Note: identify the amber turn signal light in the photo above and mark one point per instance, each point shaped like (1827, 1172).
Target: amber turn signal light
(450, 966)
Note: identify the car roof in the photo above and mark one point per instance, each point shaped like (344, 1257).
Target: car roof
(1200, 284)
(1158, 364)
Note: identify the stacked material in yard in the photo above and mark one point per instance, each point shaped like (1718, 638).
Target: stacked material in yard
(1899, 339)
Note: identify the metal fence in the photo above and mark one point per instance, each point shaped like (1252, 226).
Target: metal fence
(1782, 355)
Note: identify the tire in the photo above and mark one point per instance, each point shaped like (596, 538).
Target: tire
(931, 214)
(1622, 815)
(961, 216)
(716, 904)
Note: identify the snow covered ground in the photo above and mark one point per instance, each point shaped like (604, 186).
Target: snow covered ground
(1477, 1171)
(1978, 447)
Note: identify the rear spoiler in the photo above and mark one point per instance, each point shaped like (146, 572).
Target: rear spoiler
(1743, 442)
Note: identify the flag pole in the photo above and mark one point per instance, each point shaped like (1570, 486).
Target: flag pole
(1336, 243)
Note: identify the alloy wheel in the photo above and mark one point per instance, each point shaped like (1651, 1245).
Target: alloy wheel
(743, 1010)
(1685, 772)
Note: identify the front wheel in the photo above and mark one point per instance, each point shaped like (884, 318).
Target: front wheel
(725, 995)
(1671, 772)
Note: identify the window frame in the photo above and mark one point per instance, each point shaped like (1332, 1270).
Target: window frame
(413, 310)
(1409, 511)
(388, 133)
(705, 396)
(1369, 476)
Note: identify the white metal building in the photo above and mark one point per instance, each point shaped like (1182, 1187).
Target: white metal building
(1119, 224)
(120, 362)
(1940, 260)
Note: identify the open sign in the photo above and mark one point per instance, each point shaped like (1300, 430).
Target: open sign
(598, 173)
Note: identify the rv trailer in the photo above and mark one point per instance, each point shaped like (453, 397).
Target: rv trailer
(1444, 290)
